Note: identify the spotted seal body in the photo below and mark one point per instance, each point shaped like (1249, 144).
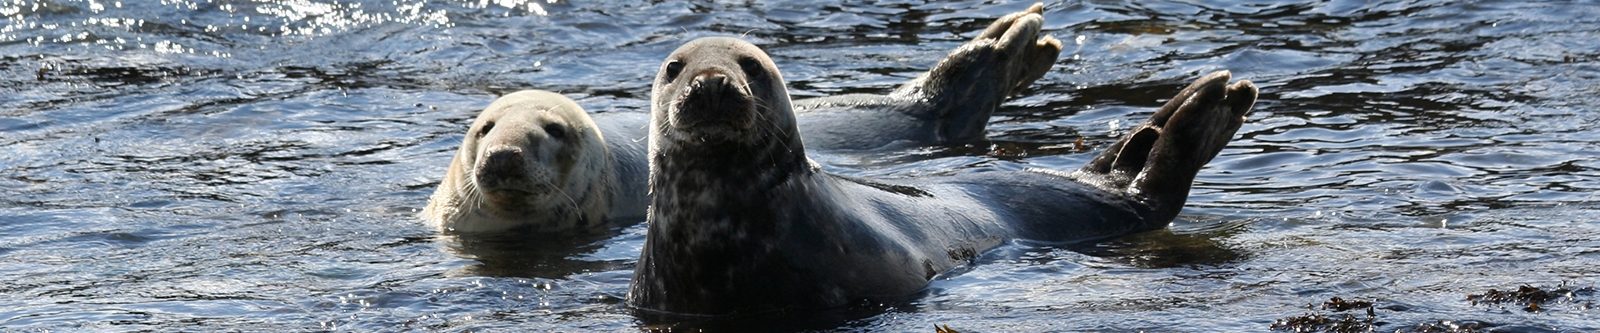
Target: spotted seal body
(949, 104)
(742, 222)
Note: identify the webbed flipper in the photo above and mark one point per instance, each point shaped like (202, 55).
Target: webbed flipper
(1159, 159)
(965, 88)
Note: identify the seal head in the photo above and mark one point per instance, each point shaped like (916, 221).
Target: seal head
(722, 100)
(532, 160)
(724, 91)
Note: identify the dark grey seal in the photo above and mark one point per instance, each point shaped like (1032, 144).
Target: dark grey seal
(741, 222)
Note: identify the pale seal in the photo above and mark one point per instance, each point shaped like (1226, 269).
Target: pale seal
(949, 104)
(741, 222)
(532, 159)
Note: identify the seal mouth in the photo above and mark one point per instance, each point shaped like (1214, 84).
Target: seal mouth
(513, 192)
(512, 188)
(713, 103)
(513, 195)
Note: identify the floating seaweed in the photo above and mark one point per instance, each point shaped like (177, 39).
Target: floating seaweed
(1318, 322)
(1341, 305)
(1531, 298)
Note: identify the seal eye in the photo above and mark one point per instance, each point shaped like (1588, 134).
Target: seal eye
(751, 67)
(673, 68)
(487, 126)
(555, 131)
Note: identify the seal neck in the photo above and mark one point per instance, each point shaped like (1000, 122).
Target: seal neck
(715, 212)
(714, 177)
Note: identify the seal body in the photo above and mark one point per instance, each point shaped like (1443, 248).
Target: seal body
(816, 241)
(741, 222)
(949, 104)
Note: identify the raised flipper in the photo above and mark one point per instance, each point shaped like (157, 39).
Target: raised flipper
(965, 88)
(950, 103)
(1158, 160)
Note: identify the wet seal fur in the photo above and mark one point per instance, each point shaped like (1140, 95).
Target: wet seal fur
(742, 222)
(949, 104)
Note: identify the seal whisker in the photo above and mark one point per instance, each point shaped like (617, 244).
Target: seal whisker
(563, 193)
(761, 110)
(472, 193)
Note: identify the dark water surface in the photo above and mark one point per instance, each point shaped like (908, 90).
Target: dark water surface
(256, 165)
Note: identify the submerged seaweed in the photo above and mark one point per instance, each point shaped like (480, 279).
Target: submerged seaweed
(1532, 299)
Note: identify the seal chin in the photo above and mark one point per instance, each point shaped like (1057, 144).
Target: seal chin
(708, 132)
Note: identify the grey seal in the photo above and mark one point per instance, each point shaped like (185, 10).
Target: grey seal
(742, 222)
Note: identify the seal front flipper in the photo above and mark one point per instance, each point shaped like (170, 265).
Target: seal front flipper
(1158, 160)
(950, 103)
(1034, 55)
(965, 88)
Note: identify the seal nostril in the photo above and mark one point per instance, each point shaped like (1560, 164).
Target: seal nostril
(712, 83)
(716, 79)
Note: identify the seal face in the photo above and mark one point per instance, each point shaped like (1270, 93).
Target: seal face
(721, 90)
(532, 159)
(723, 98)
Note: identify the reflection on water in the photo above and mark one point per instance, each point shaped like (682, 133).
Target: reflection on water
(257, 165)
(546, 256)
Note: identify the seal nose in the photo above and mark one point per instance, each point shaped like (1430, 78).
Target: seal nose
(714, 98)
(504, 162)
(713, 83)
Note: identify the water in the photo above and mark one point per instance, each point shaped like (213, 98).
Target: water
(256, 165)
